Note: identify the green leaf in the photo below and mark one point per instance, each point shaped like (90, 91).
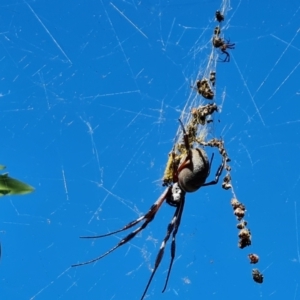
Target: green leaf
(11, 186)
(2, 167)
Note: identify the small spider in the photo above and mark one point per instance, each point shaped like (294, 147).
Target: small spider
(190, 174)
(223, 45)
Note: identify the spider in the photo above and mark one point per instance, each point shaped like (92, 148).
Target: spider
(190, 174)
(223, 45)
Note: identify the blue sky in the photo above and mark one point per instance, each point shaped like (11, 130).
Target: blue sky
(91, 93)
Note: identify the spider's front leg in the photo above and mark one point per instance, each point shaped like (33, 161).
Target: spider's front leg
(147, 218)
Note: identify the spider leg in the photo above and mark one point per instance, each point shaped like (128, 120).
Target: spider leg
(129, 225)
(187, 147)
(230, 46)
(218, 174)
(210, 163)
(185, 136)
(173, 245)
(227, 58)
(148, 217)
(172, 227)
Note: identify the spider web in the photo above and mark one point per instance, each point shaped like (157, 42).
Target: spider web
(90, 100)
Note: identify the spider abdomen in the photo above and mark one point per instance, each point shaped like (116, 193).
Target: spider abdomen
(195, 170)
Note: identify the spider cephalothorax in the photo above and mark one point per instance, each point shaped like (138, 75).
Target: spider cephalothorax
(223, 45)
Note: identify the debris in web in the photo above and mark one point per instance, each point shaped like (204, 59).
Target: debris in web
(204, 89)
(196, 131)
(257, 276)
(254, 258)
(219, 16)
(239, 208)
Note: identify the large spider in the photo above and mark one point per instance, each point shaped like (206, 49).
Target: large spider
(190, 174)
(223, 45)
